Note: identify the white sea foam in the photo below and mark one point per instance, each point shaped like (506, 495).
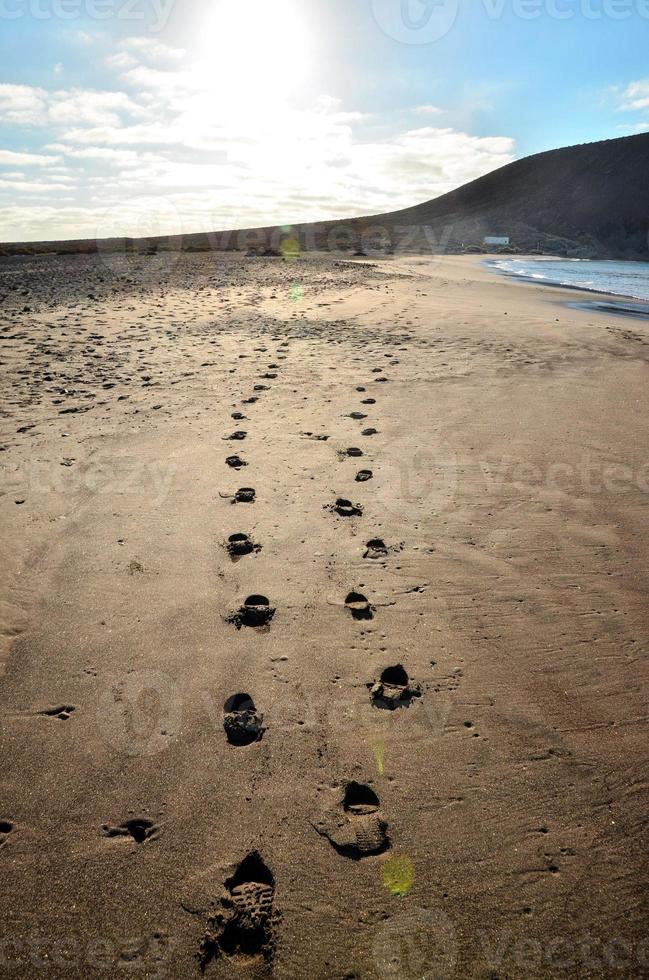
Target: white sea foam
(628, 279)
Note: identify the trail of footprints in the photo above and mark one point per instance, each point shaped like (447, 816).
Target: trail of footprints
(353, 823)
(243, 923)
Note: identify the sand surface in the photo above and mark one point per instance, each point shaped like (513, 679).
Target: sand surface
(499, 827)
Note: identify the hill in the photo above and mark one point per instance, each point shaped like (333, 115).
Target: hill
(590, 200)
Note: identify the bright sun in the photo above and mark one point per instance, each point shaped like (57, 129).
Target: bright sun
(255, 47)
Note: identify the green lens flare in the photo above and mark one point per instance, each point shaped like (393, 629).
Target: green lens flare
(398, 875)
(290, 248)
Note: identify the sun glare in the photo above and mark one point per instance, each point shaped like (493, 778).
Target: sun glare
(255, 48)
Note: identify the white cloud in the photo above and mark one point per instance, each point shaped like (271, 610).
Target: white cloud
(121, 61)
(106, 153)
(29, 106)
(151, 49)
(10, 158)
(31, 187)
(636, 96)
(22, 104)
(632, 129)
(176, 152)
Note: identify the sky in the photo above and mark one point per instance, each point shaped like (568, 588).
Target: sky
(140, 117)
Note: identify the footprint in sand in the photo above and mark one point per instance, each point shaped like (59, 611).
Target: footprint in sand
(355, 826)
(61, 711)
(242, 722)
(359, 606)
(394, 689)
(242, 926)
(345, 508)
(245, 495)
(138, 829)
(235, 437)
(256, 613)
(363, 476)
(241, 544)
(6, 828)
(376, 548)
(235, 462)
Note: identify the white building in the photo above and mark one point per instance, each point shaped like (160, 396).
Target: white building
(493, 240)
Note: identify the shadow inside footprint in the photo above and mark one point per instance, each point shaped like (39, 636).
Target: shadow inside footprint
(394, 689)
(345, 508)
(242, 722)
(61, 711)
(139, 829)
(6, 827)
(245, 495)
(376, 548)
(363, 476)
(236, 462)
(359, 606)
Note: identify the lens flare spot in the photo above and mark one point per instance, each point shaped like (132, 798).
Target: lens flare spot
(398, 874)
(290, 248)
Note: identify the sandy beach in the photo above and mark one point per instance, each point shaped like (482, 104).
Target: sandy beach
(450, 476)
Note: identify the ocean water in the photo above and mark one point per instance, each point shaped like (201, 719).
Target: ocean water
(627, 279)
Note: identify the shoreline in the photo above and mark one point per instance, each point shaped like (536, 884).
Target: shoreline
(618, 303)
